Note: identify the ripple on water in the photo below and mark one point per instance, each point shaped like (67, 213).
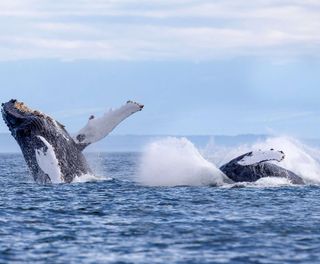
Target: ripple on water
(120, 221)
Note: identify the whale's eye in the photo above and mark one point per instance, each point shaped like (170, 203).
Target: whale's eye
(81, 137)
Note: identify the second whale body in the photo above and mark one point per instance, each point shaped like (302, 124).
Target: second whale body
(255, 165)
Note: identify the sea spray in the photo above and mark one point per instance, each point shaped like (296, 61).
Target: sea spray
(87, 178)
(176, 161)
(265, 182)
(301, 159)
(96, 161)
(90, 178)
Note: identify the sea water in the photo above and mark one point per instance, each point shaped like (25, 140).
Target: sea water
(122, 216)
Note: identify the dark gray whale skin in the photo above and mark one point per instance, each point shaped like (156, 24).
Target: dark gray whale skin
(27, 125)
(252, 173)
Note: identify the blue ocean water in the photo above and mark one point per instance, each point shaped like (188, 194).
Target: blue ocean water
(120, 221)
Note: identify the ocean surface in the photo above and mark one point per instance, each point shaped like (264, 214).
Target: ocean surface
(117, 220)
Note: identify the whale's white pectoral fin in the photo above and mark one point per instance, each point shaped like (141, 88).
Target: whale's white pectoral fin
(259, 156)
(48, 161)
(98, 128)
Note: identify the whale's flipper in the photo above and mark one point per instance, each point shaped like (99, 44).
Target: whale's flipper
(259, 156)
(98, 128)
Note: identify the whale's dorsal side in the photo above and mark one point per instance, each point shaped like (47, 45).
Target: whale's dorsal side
(98, 128)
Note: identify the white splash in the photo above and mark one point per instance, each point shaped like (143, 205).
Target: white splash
(174, 162)
(272, 182)
(260, 156)
(300, 159)
(98, 128)
(89, 178)
(266, 182)
(48, 161)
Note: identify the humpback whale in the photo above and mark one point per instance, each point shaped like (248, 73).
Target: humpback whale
(52, 155)
(254, 165)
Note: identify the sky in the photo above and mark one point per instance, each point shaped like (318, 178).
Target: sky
(199, 67)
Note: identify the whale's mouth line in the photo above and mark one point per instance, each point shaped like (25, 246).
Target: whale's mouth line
(21, 107)
(14, 107)
(20, 110)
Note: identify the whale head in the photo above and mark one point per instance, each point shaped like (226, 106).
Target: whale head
(24, 122)
(49, 150)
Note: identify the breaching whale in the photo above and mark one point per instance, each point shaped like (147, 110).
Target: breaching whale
(52, 155)
(254, 165)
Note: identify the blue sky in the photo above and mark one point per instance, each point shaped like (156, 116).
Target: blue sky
(200, 67)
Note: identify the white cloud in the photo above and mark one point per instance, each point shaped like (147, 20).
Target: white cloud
(161, 30)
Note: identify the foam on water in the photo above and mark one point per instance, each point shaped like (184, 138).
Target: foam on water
(173, 162)
(89, 178)
(272, 182)
(267, 182)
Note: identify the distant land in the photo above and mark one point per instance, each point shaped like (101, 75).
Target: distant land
(136, 143)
